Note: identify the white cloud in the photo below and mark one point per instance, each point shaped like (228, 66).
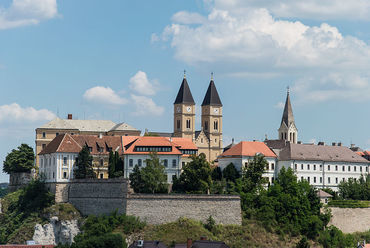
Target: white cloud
(27, 12)
(185, 17)
(141, 85)
(146, 106)
(15, 113)
(104, 95)
(309, 9)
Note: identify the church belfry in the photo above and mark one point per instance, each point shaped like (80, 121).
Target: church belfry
(212, 120)
(184, 112)
(288, 130)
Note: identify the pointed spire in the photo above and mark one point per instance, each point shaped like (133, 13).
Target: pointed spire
(288, 117)
(212, 97)
(184, 95)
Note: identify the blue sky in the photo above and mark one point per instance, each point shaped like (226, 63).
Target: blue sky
(124, 61)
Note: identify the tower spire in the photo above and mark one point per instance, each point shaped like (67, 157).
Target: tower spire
(184, 95)
(288, 117)
(212, 97)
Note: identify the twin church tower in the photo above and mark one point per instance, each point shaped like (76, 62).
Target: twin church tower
(209, 138)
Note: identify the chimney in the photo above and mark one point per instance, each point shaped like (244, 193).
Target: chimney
(69, 117)
(299, 142)
(333, 144)
(321, 143)
(100, 135)
(339, 143)
(189, 243)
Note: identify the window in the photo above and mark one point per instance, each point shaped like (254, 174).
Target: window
(328, 167)
(101, 162)
(308, 167)
(320, 167)
(272, 166)
(139, 162)
(43, 134)
(183, 164)
(329, 180)
(314, 167)
(64, 174)
(43, 146)
(165, 163)
(56, 134)
(188, 124)
(65, 160)
(336, 180)
(361, 168)
(101, 175)
(174, 163)
(295, 166)
(53, 174)
(201, 140)
(344, 179)
(216, 141)
(343, 168)
(314, 179)
(54, 161)
(301, 166)
(336, 168)
(90, 149)
(354, 168)
(267, 167)
(308, 179)
(349, 168)
(131, 162)
(206, 125)
(320, 179)
(301, 178)
(215, 125)
(272, 180)
(178, 124)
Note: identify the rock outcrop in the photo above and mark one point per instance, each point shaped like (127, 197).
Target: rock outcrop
(56, 232)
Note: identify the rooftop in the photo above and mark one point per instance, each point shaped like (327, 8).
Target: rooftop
(249, 148)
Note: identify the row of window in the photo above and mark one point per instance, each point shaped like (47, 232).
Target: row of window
(47, 162)
(336, 167)
(153, 149)
(328, 180)
(140, 163)
(189, 152)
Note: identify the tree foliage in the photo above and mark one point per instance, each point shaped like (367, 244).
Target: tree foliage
(195, 178)
(115, 165)
(355, 189)
(230, 173)
(19, 160)
(84, 166)
(150, 179)
(216, 174)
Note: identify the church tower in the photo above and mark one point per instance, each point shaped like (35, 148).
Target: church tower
(212, 120)
(184, 112)
(288, 131)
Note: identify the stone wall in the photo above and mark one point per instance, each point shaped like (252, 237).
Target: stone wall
(98, 196)
(158, 209)
(351, 220)
(61, 191)
(19, 180)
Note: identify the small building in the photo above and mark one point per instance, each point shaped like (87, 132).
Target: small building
(324, 196)
(242, 153)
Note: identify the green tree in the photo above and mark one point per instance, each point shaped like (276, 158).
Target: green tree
(216, 174)
(230, 173)
(19, 160)
(252, 178)
(115, 165)
(195, 178)
(150, 179)
(84, 166)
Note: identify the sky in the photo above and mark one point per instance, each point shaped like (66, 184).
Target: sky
(124, 61)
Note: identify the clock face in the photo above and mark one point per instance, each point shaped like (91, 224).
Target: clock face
(188, 109)
(215, 110)
(178, 109)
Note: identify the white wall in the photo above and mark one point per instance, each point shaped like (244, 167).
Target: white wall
(53, 168)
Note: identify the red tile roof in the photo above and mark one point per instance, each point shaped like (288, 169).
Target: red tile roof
(184, 143)
(249, 148)
(148, 141)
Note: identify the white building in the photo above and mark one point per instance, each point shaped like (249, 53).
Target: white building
(241, 154)
(172, 152)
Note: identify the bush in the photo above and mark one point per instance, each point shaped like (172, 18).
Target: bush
(103, 241)
(210, 224)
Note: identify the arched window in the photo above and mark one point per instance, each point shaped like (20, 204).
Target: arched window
(215, 125)
(188, 126)
(178, 124)
(101, 162)
(206, 125)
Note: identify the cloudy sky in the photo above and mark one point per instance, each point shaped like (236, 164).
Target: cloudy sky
(124, 61)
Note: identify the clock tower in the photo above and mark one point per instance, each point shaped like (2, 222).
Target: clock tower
(184, 112)
(212, 120)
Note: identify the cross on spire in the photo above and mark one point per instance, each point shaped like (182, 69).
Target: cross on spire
(184, 73)
(212, 76)
(287, 89)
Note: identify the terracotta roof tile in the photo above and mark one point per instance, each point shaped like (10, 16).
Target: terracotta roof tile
(147, 141)
(249, 148)
(184, 143)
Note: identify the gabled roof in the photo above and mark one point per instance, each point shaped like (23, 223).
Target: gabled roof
(184, 143)
(306, 152)
(288, 117)
(250, 149)
(212, 97)
(184, 95)
(148, 141)
(123, 127)
(323, 194)
(62, 143)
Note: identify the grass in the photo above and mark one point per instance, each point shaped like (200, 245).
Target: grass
(349, 204)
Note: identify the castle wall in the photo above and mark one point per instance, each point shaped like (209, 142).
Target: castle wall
(350, 220)
(19, 180)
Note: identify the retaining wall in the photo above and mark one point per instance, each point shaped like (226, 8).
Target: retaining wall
(350, 220)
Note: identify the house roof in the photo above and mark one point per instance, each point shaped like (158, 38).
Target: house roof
(66, 143)
(212, 97)
(184, 143)
(249, 148)
(149, 141)
(87, 125)
(288, 117)
(323, 194)
(184, 95)
(320, 153)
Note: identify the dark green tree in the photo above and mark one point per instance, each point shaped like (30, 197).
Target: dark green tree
(111, 165)
(19, 160)
(216, 174)
(115, 165)
(84, 166)
(252, 178)
(230, 173)
(150, 179)
(195, 178)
